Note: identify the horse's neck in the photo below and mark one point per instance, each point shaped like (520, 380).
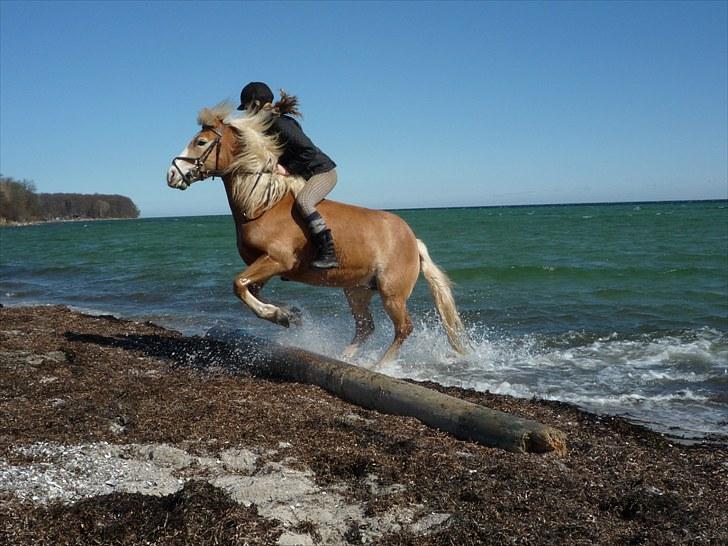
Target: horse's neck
(237, 213)
(251, 184)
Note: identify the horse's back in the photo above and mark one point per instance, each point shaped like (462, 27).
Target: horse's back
(343, 214)
(377, 230)
(370, 244)
(378, 240)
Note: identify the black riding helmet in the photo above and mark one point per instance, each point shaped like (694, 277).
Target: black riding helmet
(255, 91)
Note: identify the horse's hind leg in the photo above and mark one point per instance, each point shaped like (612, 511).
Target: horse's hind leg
(359, 299)
(247, 285)
(396, 307)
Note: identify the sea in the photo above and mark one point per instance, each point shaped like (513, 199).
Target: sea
(620, 309)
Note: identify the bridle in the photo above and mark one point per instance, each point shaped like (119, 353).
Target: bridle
(198, 171)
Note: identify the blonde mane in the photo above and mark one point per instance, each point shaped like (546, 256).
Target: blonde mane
(210, 117)
(256, 187)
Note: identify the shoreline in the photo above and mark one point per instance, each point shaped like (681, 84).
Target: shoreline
(107, 407)
(59, 221)
(688, 437)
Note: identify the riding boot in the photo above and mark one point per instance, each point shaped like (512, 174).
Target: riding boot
(325, 254)
(321, 234)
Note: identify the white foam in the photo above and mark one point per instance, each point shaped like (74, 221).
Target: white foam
(660, 379)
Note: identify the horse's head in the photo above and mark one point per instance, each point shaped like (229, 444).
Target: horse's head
(207, 154)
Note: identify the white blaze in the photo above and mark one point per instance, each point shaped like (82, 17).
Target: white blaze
(174, 179)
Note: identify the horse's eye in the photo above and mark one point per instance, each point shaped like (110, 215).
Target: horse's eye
(201, 142)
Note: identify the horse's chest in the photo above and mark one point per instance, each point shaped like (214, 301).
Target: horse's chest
(248, 252)
(248, 255)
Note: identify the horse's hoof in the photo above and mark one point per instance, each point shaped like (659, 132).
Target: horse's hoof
(287, 317)
(281, 317)
(295, 315)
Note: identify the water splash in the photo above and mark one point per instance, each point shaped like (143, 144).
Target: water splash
(673, 381)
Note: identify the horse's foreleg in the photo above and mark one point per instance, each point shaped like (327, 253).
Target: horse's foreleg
(359, 299)
(396, 307)
(247, 285)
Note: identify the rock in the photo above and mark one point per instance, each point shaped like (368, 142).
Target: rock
(426, 523)
(164, 455)
(56, 356)
(116, 428)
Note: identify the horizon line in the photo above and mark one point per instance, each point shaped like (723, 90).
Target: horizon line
(448, 207)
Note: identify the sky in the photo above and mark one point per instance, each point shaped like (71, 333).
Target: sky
(420, 104)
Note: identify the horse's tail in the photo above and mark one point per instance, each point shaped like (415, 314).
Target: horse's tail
(441, 289)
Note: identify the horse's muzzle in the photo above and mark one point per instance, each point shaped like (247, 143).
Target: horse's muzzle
(177, 181)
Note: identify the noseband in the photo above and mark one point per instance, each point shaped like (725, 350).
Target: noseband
(198, 171)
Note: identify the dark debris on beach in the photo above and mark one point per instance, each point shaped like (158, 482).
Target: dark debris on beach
(126, 382)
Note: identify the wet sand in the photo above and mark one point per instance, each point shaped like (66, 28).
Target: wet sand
(117, 432)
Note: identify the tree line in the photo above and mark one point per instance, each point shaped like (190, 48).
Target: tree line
(19, 202)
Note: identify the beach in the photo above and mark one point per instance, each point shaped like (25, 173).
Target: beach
(268, 358)
(123, 432)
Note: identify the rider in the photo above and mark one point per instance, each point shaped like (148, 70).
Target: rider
(300, 157)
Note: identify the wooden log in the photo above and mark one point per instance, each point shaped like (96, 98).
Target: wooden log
(372, 390)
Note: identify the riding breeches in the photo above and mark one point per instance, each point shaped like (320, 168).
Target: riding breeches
(317, 187)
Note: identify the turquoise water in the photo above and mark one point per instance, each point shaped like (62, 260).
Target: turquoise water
(620, 309)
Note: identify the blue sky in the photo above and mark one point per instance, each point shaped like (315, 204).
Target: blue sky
(420, 104)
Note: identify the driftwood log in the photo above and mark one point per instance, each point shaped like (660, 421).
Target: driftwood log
(372, 390)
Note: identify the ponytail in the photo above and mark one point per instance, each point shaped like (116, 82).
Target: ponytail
(287, 105)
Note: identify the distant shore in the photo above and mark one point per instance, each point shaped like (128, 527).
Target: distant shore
(152, 435)
(59, 221)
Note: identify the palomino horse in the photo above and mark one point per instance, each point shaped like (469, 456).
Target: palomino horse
(377, 250)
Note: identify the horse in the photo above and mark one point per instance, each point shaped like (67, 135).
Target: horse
(377, 250)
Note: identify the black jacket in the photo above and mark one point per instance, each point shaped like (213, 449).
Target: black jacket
(300, 156)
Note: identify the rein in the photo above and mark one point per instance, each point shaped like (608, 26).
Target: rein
(260, 174)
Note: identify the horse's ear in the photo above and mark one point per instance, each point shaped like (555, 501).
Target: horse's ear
(208, 127)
